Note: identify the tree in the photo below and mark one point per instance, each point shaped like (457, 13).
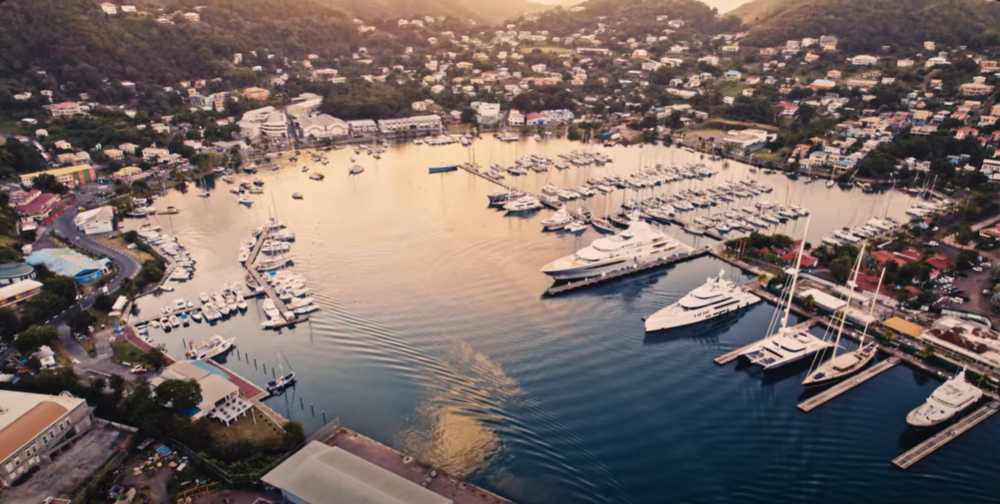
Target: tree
(178, 394)
(841, 267)
(9, 324)
(81, 321)
(294, 434)
(48, 183)
(130, 236)
(31, 339)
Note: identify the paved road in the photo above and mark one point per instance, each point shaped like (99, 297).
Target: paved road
(126, 266)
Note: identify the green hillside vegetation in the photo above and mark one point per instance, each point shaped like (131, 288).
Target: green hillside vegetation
(74, 42)
(638, 15)
(869, 24)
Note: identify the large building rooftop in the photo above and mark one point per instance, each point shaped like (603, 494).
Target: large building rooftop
(23, 416)
(323, 473)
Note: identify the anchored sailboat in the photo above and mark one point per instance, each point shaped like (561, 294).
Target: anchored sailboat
(848, 363)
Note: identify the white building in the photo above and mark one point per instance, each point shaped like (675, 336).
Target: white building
(323, 127)
(515, 118)
(411, 126)
(864, 60)
(264, 122)
(487, 114)
(32, 426)
(318, 471)
(96, 221)
(220, 398)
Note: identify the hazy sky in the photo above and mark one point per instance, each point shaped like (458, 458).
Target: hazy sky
(722, 5)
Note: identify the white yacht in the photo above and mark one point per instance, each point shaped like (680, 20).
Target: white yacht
(715, 298)
(633, 248)
(787, 345)
(210, 348)
(523, 204)
(948, 400)
(558, 220)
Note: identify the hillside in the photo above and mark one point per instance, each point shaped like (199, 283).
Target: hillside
(638, 15)
(73, 41)
(868, 24)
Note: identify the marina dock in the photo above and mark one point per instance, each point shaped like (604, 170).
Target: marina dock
(686, 255)
(937, 441)
(848, 384)
(267, 289)
(484, 176)
(732, 355)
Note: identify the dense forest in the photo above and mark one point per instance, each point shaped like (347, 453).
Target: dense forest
(865, 25)
(73, 42)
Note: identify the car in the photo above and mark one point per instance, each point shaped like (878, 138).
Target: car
(933, 243)
(977, 269)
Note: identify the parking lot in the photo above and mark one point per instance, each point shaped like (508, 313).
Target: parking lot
(69, 469)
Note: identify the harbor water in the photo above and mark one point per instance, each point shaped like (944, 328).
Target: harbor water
(434, 337)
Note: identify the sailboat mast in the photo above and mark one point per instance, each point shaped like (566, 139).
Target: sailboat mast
(795, 275)
(871, 309)
(852, 281)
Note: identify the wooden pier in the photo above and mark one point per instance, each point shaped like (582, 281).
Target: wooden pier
(560, 288)
(937, 441)
(848, 384)
(268, 290)
(484, 176)
(732, 355)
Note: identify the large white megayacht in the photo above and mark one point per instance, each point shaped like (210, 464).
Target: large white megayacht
(633, 248)
(948, 400)
(715, 298)
(786, 345)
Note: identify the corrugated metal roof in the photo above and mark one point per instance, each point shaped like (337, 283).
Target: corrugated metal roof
(319, 471)
(903, 326)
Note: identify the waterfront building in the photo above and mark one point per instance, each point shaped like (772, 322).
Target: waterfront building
(220, 398)
(318, 471)
(69, 176)
(411, 126)
(323, 127)
(38, 206)
(264, 122)
(33, 426)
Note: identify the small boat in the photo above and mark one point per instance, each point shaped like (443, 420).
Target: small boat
(281, 383)
(245, 201)
(317, 176)
(204, 194)
(357, 170)
(171, 210)
(296, 195)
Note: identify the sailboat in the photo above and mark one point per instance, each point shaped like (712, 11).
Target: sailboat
(848, 363)
(786, 345)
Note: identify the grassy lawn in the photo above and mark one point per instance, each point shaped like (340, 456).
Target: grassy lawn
(734, 124)
(700, 134)
(261, 432)
(118, 243)
(126, 352)
(732, 89)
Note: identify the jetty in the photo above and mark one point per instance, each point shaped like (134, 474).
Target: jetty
(485, 176)
(685, 255)
(939, 440)
(843, 387)
(732, 355)
(263, 286)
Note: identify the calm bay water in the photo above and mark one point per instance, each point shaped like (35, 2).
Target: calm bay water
(434, 338)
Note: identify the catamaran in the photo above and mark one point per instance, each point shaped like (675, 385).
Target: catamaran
(848, 363)
(713, 299)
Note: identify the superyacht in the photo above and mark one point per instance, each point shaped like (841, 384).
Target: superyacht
(715, 298)
(948, 400)
(633, 248)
